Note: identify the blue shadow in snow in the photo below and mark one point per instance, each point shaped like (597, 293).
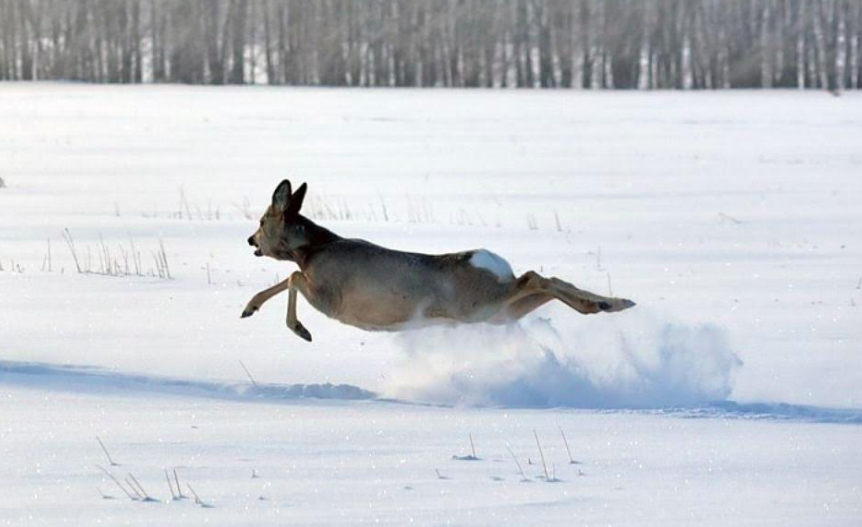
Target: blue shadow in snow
(89, 379)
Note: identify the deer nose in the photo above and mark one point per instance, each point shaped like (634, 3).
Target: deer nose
(251, 241)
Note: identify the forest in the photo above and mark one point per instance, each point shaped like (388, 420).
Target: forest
(588, 44)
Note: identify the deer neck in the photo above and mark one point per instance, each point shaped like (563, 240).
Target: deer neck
(318, 237)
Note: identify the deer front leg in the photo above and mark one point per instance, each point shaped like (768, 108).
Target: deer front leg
(296, 282)
(258, 300)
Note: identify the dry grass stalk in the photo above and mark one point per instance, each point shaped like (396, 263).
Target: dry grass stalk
(249, 374)
(518, 464)
(179, 489)
(107, 454)
(170, 485)
(117, 482)
(566, 442)
(542, 455)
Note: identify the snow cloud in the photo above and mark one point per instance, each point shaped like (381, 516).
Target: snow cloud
(632, 360)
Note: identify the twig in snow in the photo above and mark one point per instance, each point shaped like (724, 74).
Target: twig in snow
(468, 457)
(179, 489)
(110, 460)
(542, 455)
(439, 475)
(103, 495)
(134, 489)
(195, 494)
(170, 485)
(146, 497)
(136, 256)
(104, 257)
(198, 499)
(162, 261)
(518, 464)
(566, 442)
(115, 480)
(70, 243)
(729, 218)
(383, 208)
(249, 374)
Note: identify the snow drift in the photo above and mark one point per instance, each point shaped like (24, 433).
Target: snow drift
(635, 360)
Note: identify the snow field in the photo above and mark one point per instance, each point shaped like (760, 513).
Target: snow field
(727, 396)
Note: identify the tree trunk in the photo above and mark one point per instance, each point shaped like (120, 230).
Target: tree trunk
(238, 35)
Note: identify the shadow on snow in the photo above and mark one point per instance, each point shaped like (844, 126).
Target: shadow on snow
(88, 379)
(93, 380)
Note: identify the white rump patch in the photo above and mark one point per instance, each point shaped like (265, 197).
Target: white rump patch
(484, 259)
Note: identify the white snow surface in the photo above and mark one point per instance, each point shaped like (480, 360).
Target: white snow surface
(730, 395)
(485, 259)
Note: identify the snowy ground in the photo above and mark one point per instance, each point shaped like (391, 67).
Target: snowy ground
(732, 395)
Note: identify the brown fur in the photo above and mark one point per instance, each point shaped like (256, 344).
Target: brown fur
(374, 288)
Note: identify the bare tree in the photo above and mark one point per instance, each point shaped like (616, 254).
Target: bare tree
(591, 44)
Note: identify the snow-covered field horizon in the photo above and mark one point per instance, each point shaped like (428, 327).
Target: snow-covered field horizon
(731, 218)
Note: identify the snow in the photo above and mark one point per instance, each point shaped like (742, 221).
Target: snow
(727, 396)
(614, 363)
(485, 259)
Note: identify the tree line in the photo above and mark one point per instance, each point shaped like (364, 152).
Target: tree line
(596, 44)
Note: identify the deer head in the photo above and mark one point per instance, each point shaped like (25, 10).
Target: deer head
(281, 232)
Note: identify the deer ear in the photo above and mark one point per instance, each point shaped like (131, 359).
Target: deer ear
(296, 201)
(281, 196)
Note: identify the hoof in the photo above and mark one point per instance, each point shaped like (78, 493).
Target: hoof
(248, 311)
(618, 304)
(302, 332)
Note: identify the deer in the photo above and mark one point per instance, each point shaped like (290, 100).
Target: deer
(377, 289)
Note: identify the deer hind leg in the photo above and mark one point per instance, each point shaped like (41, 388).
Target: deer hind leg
(529, 293)
(533, 290)
(297, 282)
(524, 305)
(595, 303)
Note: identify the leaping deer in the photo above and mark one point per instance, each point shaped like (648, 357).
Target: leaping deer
(379, 289)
